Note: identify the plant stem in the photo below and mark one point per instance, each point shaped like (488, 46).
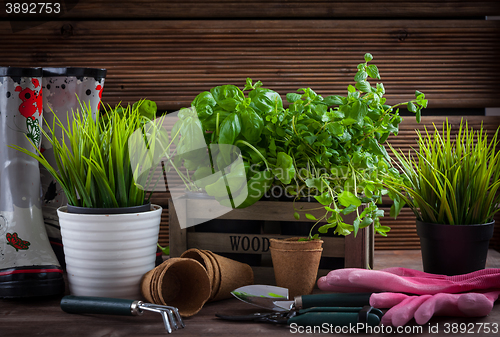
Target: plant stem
(253, 148)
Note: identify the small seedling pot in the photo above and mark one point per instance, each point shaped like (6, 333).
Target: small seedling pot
(296, 264)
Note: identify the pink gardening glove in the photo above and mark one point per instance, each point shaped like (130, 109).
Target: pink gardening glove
(406, 280)
(422, 308)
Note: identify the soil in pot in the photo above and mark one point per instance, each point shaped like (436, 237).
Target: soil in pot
(454, 249)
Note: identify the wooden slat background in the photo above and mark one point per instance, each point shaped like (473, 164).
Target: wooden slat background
(227, 9)
(454, 62)
(169, 51)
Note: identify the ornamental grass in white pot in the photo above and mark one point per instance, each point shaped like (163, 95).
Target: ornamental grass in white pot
(105, 166)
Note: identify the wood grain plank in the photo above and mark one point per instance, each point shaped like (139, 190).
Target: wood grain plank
(170, 61)
(228, 9)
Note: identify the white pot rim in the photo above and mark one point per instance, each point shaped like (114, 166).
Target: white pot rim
(63, 212)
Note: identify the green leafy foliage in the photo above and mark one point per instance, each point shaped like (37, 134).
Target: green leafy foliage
(449, 180)
(106, 162)
(330, 148)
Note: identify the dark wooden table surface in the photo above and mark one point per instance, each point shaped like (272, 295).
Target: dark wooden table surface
(43, 317)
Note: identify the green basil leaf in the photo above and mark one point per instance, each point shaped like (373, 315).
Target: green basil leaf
(396, 206)
(343, 228)
(336, 129)
(228, 104)
(293, 97)
(367, 221)
(380, 88)
(251, 125)
(347, 198)
(324, 229)
(191, 138)
(221, 93)
(364, 86)
(372, 71)
(204, 104)
(310, 139)
(333, 100)
(411, 107)
(316, 183)
(361, 75)
(358, 112)
(146, 108)
(320, 109)
(284, 169)
(374, 147)
(349, 209)
(324, 198)
(272, 147)
(230, 129)
(368, 57)
(248, 84)
(265, 101)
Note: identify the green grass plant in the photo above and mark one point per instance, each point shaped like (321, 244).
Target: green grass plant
(106, 161)
(449, 180)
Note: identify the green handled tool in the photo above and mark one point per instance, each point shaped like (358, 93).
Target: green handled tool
(359, 317)
(276, 298)
(117, 306)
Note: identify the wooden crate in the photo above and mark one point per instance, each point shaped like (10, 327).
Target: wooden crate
(357, 252)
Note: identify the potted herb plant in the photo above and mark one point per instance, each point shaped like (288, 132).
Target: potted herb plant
(330, 148)
(451, 184)
(105, 165)
(232, 124)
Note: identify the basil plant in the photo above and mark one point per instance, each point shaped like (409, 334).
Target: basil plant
(330, 148)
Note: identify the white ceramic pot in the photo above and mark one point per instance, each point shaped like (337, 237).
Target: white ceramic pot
(107, 254)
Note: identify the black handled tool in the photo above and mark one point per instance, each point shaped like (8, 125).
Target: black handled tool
(316, 316)
(116, 306)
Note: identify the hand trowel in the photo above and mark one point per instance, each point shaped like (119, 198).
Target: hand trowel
(276, 298)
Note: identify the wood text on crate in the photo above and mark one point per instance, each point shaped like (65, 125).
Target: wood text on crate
(253, 243)
(256, 244)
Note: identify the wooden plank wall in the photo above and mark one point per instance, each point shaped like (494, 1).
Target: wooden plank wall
(169, 51)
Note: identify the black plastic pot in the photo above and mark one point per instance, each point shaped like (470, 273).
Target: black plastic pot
(118, 210)
(454, 249)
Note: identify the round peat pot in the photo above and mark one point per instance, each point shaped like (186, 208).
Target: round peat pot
(108, 254)
(302, 228)
(295, 264)
(454, 249)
